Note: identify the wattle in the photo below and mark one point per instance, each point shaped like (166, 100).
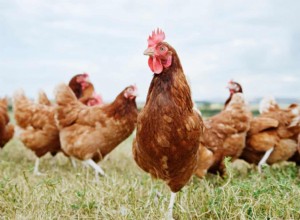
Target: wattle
(155, 65)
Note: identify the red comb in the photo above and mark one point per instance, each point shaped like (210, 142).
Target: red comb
(85, 75)
(156, 37)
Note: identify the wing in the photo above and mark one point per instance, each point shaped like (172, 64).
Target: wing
(69, 110)
(260, 124)
(27, 113)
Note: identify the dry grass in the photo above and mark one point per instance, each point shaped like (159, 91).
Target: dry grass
(129, 193)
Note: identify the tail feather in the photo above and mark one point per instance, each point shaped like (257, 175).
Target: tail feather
(22, 109)
(43, 99)
(295, 110)
(67, 105)
(267, 104)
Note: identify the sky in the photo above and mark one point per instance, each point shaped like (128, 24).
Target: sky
(256, 43)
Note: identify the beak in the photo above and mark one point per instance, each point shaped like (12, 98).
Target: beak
(88, 80)
(149, 51)
(135, 93)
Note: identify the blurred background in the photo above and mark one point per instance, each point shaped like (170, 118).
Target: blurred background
(256, 43)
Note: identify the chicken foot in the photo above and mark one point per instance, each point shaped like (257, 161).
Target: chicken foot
(73, 162)
(264, 159)
(96, 167)
(36, 167)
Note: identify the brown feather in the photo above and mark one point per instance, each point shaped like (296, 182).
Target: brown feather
(39, 131)
(6, 129)
(225, 132)
(168, 130)
(43, 99)
(271, 130)
(82, 94)
(93, 132)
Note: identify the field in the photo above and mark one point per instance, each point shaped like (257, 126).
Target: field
(127, 192)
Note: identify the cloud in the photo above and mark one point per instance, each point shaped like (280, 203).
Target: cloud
(256, 43)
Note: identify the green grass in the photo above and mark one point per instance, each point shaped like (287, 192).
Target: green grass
(129, 193)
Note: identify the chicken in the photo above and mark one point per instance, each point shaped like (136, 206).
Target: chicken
(6, 129)
(168, 129)
(90, 133)
(233, 87)
(84, 90)
(39, 132)
(225, 133)
(38, 129)
(273, 136)
(81, 86)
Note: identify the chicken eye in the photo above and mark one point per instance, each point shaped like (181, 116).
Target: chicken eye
(162, 48)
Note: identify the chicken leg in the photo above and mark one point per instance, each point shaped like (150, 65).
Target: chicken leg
(73, 162)
(265, 158)
(36, 167)
(95, 166)
(170, 207)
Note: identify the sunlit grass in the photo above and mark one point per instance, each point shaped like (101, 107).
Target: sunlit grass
(129, 193)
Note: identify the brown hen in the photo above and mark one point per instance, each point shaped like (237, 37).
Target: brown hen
(168, 129)
(84, 90)
(90, 133)
(273, 136)
(6, 128)
(225, 133)
(38, 130)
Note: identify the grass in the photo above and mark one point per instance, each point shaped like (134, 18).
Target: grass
(129, 193)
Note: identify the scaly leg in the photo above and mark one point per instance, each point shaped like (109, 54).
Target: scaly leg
(36, 167)
(264, 159)
(96, 176)
(96, 167)
(171, 205)
(73, 162)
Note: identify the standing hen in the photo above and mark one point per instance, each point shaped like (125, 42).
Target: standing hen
(90, 133)
(6, 129)
(225, 133)
(38, 130)
(168, 129)
(273, 134)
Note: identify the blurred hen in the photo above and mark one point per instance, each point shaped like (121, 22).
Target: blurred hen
(273, 134)
(38, 130)
(6, 128)
(225, 133)
(90, 133)
(84, 90)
